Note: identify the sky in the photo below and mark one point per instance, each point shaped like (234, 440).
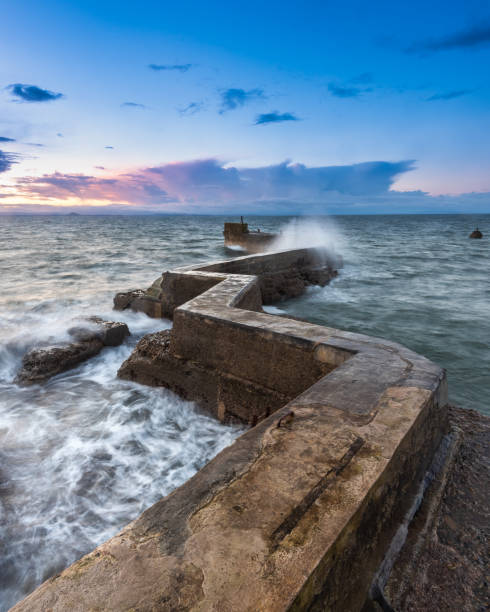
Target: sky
(271, 107)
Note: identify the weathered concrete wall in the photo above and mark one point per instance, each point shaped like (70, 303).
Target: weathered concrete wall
(298, 513)
(281, 274)
(238, 372)
(238, 234)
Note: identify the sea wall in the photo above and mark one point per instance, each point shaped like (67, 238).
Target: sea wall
(237, 372)
(238, 234)
(299, 512)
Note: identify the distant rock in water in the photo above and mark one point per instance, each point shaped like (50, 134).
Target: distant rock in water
(125, 299)
(38, 365)
(476, 234)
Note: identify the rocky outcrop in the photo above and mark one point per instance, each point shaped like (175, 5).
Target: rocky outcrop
(443, 562)
(40, 364)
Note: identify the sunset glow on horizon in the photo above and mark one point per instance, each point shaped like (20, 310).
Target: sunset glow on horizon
(160, 108)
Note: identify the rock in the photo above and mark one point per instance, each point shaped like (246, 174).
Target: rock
(476, 234)
(111, 333)
(124, 300)
(436, 569)
(40, 364)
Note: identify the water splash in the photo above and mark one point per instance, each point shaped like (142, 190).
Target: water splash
(85, 453)
(309, 232)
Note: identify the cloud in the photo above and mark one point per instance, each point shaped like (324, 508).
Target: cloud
(449, 95)
(7, 160)
(133, 105)
(176, 67)
(471, 38)
(108, 147)
(5, 139)
(363, 79)
(191, 109)
(275, 117)
(340, 91)
(235, 98)
(208, 184)
(32, 93)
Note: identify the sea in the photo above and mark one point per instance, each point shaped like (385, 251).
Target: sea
(85, 453)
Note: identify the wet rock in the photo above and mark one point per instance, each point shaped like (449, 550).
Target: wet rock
(110, 333)
(125, 299)
(476, 234)
(40, 364)
(443, 563)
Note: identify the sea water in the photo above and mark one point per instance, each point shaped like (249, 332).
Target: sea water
(85, 453)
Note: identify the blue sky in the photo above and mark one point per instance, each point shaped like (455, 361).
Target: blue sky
(258, 106)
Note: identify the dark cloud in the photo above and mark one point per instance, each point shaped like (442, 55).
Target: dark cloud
(191, 109)
(472, 38)
(7, 160)
(275, 117)
(235, 98)
(133, 105)
(340, 91)
(108, 147)
(449, 95)
(5, 139)
(177, 67)
(32, 93)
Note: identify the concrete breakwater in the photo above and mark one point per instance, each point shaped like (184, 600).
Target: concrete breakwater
(300, 511)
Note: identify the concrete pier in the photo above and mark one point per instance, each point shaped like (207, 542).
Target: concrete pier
(239, 234)
(298, 513)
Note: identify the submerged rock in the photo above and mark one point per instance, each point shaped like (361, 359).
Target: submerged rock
(476, 234)
(40, 364)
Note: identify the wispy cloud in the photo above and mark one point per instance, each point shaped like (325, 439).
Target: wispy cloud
(191, 109)
(275, 117)
(5, 139)
(32, 93)
(471, 38)
(210, 183)
(363, 78)
(449, 95)
(235, 98)
(341, 91)
(7, 160)
(133, 105)
(108, 147)
(176, 67)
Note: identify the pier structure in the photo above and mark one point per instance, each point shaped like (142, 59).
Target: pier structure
(302, 511)
(239, 235)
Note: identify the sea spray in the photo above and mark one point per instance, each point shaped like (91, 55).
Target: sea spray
(85, 453)
(307, 232)
(303, 232)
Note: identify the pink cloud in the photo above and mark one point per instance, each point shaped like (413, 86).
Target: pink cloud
(212, 183)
